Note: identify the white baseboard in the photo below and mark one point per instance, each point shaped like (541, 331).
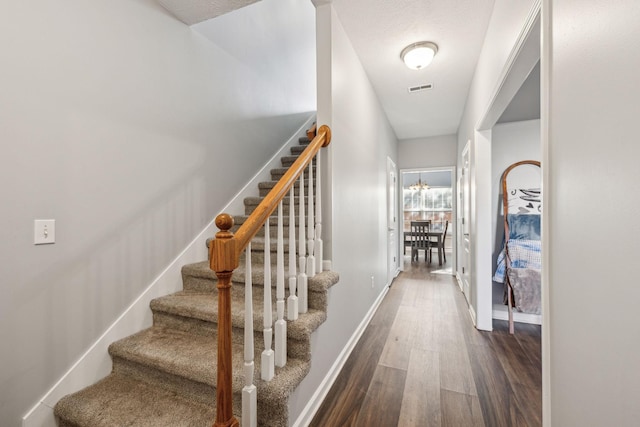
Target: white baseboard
(472, 313)
(95, 363)
(309, 411)
(459, 281)
(501, 312)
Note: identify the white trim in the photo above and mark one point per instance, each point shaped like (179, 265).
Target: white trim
(545, 95)
(453, 224)
(500, 312)
(95, 363)
(459, 281)
(472, 313)
(309, 411)
(481, 238)
(523, 57)
(395, 274)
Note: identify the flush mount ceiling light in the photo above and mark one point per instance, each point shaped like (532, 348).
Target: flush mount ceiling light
(418, 55)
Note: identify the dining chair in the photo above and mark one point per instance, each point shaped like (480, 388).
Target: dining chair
(434, 244)
(419, 238)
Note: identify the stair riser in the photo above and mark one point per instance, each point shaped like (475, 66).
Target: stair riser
(300, 349)
(257, 260)
(278, 173)
(273, 231)
(255, 201)
(287, 161)
(317, 300)
(249, 208)
(273, 225)
(238, 220)
(200, 392)
(264, 190)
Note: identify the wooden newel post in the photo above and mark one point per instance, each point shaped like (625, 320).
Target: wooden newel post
(224, 260)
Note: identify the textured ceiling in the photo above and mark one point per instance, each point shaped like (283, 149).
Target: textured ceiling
(194, 11)
(380, 29)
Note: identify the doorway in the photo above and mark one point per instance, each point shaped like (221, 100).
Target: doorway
(429, 194)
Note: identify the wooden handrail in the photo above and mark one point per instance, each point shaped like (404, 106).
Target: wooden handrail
(251, 226)
(311, 132)
(224, 256)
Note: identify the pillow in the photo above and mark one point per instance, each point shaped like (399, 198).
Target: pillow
(524, 227)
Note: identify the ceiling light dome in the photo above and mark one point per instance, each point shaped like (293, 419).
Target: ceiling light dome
(418, 55)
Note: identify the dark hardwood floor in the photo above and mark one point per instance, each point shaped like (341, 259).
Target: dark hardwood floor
(421, 362)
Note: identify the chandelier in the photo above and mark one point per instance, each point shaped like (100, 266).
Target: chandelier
(419, 185)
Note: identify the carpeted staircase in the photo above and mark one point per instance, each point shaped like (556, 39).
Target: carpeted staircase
(166, 375)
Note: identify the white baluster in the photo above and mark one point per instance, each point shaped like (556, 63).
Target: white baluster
(317, 252)
(292, 302)
(281, 325)
(268, 361)
(311, 234)
(249, 391)
(302, 259)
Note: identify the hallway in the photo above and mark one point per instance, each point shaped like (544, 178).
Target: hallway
(420, 362)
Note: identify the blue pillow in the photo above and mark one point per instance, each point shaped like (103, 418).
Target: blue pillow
(524, 227)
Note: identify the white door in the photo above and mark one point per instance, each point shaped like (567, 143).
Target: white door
(463, 224)
(392, 220)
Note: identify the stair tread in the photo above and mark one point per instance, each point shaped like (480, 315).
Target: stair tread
(117, 400)
(194, 357)
(319, 283)
(204, 306)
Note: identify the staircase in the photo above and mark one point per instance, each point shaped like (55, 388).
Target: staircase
(166, 375)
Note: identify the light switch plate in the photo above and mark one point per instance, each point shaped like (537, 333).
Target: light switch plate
(44, 231)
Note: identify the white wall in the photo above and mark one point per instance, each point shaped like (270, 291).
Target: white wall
(276, 40)
(511, 143)
(591, 157)
(124, 125)
(427, 152)
(504, 29)
(362, 140)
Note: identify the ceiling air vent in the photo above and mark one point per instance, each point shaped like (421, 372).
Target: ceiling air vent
(420, 88)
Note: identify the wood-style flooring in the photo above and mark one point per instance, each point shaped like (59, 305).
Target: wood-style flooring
(421, 362)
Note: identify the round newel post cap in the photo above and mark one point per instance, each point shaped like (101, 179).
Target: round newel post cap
(327, 130)
(224, 222)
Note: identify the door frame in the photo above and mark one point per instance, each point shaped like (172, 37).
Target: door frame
(454, 212)
(522, 59)
(393, 252)
(463, 219)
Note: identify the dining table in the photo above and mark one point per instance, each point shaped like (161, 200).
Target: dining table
(437, 234)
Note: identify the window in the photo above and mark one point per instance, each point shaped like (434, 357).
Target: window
(433, 204)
